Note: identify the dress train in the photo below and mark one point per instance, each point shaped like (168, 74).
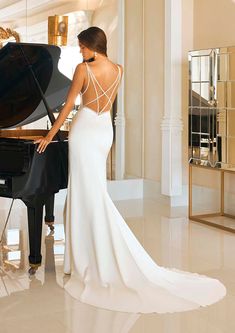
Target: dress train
(109, 267)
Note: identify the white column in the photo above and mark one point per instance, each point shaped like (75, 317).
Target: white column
(120, 118)
(172, 125)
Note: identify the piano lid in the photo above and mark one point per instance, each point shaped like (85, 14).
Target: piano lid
(20, 99)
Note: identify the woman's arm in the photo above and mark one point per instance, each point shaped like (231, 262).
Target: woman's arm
(74, 90)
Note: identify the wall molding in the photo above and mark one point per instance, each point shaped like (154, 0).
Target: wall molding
(120, 117)
(172, 125)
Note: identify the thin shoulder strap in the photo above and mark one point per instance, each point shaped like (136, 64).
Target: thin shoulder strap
(96, 92)
(88, 79)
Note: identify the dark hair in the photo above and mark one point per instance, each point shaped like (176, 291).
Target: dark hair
(94, 39)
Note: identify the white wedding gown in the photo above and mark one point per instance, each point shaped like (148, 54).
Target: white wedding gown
(109, 267)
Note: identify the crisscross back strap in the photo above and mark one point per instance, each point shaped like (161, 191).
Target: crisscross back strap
(95, 82)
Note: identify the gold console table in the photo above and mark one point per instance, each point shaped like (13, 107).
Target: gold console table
(203, 218)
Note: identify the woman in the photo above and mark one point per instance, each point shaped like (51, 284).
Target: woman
(109, 267)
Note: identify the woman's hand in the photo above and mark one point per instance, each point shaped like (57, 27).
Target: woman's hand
(43, 143)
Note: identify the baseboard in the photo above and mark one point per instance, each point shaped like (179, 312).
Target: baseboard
(152, 189)
(205, 199)
(125, 189)
(130, 189)
(118, 189)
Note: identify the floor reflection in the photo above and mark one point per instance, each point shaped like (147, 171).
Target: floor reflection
(40, 304)
(37, 297)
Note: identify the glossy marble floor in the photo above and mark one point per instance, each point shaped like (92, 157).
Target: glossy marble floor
(40, 304)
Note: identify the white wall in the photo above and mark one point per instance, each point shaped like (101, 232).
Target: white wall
(153, 88)
(133, 87)
(214, 23)
(106, 17)
(144, 88)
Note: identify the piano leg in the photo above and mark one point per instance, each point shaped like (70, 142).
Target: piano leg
(35, 214)
(49, 217)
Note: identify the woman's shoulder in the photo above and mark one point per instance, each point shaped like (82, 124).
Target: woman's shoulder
(80, 70)
(81, 66)
(118, 65)
(121, 67)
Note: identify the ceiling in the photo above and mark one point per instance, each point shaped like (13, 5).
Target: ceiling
(12, 12)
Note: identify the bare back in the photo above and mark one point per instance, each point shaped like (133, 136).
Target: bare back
(100, 85)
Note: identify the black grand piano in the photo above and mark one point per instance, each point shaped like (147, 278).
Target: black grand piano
(31, 87)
